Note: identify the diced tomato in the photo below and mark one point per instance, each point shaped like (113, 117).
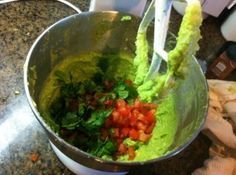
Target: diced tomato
(135, 113)
(128, 82)
(150, 118)
(137, 103)
(122, 148)
(133, 134)
(132, 120)
(119, 141)
(104, 133)
(108, 122)
(118, 119)
(144, 137)
(120, 103)
(143, 111)
(122, 122)
(108, 84)
(150, 105)
(124, 111)
(131, 153)
(115, 116)
(141, 117)
(153, 111)
(141, 126)
(108, 103)
(150, 128)
(125, 132)
(116, 132)
(99, 95)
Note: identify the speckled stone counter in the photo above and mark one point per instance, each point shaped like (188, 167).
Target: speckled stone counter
(26, 150)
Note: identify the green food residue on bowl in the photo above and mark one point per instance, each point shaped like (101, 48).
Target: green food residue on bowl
(126, 18)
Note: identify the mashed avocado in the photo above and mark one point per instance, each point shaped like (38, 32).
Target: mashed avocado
(186, 47)
(187, 40)
(84, 67)
(164, 132)
(120, 65)
(141, 60)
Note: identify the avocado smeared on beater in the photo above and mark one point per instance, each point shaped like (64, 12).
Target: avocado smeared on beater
(186, 47)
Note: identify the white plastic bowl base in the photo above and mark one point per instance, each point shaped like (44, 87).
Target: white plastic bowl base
(78, 168)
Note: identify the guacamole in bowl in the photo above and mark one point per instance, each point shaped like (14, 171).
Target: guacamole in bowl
(96, 47)
(75, 96)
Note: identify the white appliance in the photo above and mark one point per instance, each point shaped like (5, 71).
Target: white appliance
(228, 28)
(215, 7)
(209, 7)
(135, 7)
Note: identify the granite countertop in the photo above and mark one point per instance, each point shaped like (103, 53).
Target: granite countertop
(24, 147)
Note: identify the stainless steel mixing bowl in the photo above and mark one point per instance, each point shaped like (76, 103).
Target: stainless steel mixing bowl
(106, 32)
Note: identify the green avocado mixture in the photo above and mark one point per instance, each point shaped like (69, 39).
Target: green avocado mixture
(162, 134)
(177, 65)
(83, 68)
(121, 66)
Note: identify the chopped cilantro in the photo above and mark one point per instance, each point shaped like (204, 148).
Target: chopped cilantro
(70, 121)
(96, 120)
(102, 148)
(82, 108)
